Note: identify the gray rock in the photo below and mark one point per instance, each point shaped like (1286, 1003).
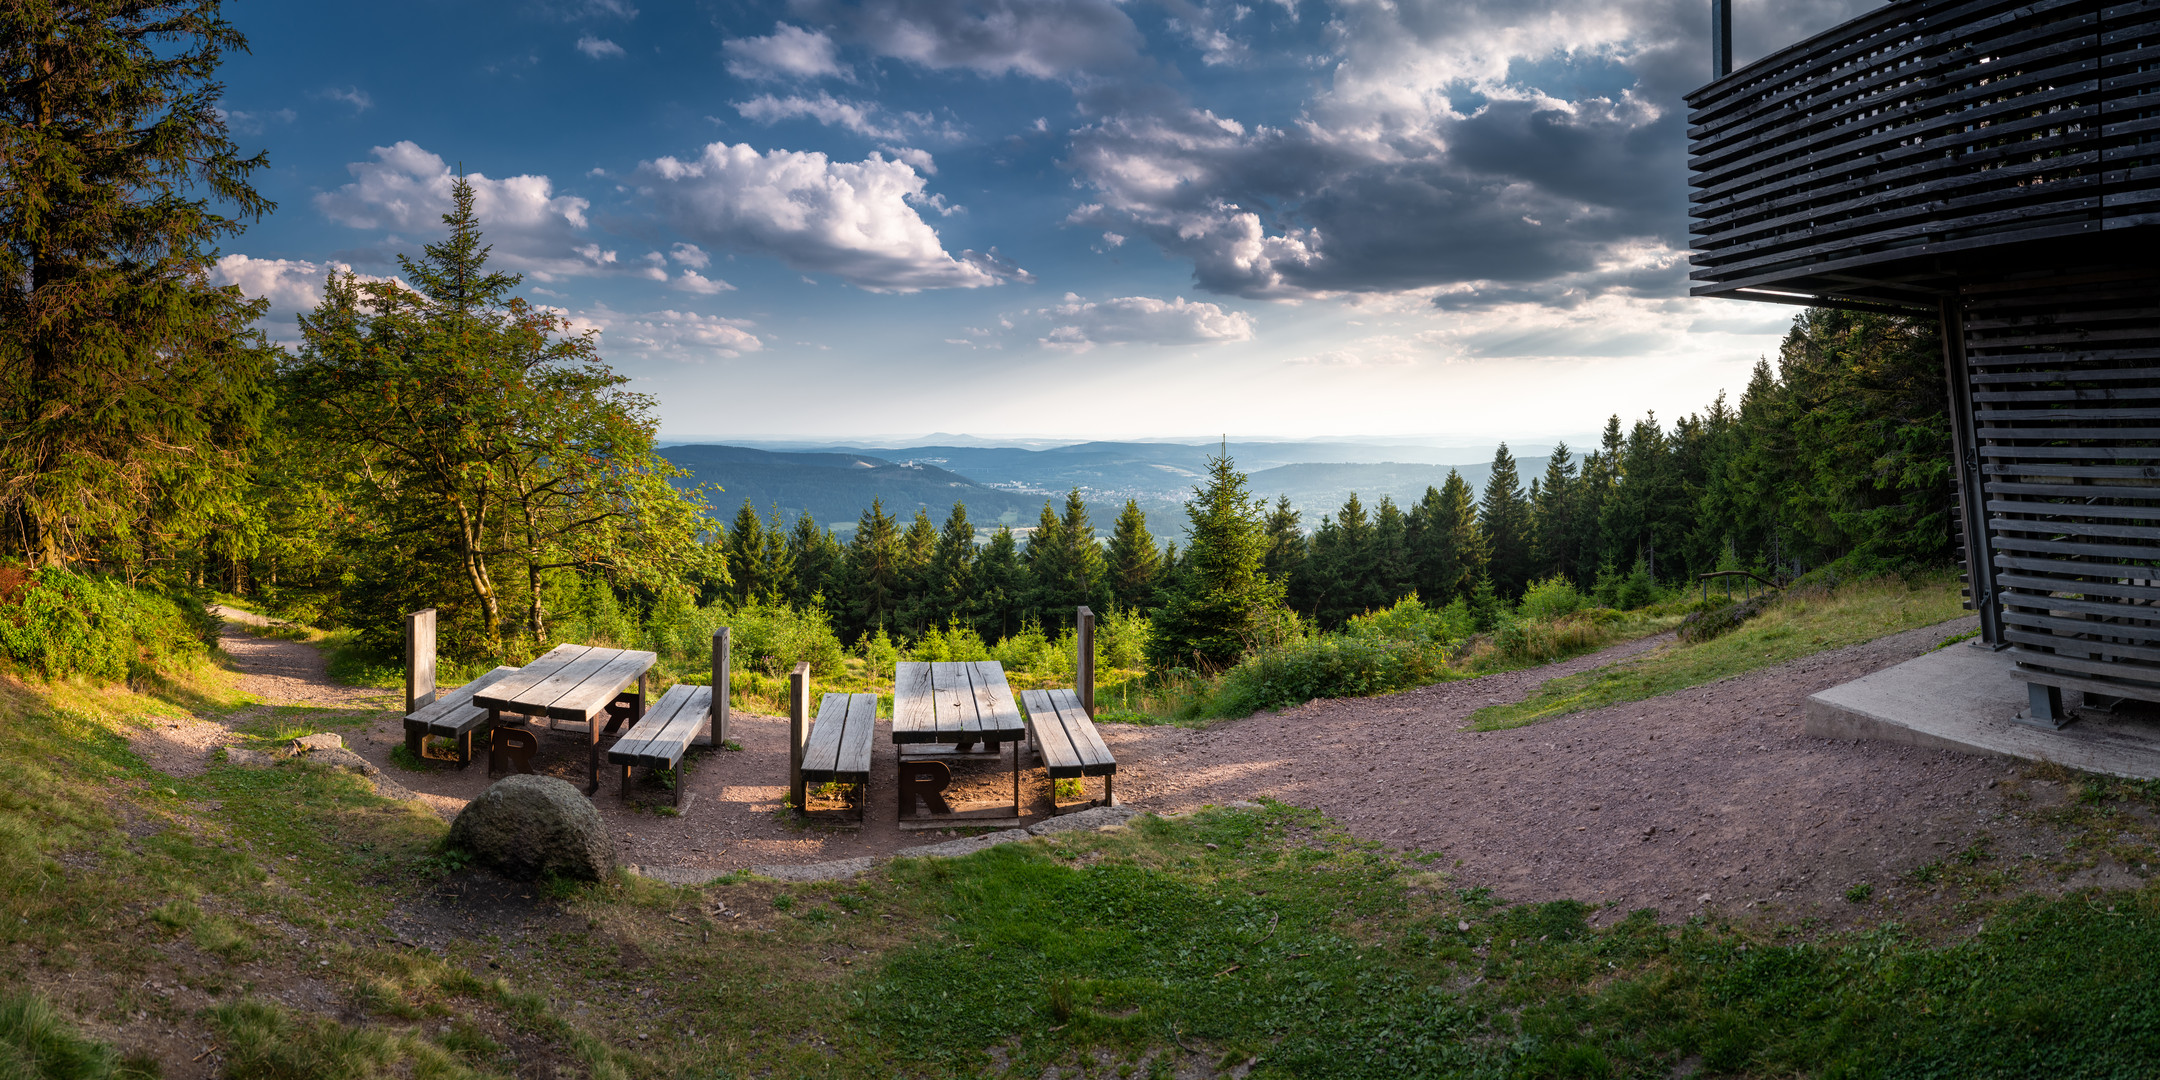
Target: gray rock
(967, 845)
(1100, 817)
(836, 870)
(240, 755)
(526, 826)
(328, 740)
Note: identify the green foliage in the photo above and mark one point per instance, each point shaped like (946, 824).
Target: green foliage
(1326, 666)
(58, 622)
(1133, 561)
(1504, 518)
(131, 389)
(1222, 597)
(1411, 621)
(38, 1043)
(1550, 599)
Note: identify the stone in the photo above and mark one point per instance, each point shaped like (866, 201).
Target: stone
(966, 845)
(327, 740)
(836, 870)
(528, 826)
(1100, 817)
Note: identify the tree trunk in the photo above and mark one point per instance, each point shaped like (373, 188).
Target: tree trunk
(469, 539)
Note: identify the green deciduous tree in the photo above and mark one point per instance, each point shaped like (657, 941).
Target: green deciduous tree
(131, 390)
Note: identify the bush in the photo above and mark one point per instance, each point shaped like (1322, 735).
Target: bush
(1325, 666)
(1410, 620)
(1550, 599)
(954, 644)
(57, 622)
(1637, 590)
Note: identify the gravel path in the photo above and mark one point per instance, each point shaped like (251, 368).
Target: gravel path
(1711, 792)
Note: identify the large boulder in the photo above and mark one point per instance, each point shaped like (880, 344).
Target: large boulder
(527, 826)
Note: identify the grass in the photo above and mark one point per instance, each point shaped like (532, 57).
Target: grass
(1802, 623)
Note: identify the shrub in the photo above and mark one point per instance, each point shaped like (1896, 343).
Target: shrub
(1704, 625)
(1325, 666)
(955, 643)
(1637, 590)
(57, 622)
(1410, 620)
(1550, 599)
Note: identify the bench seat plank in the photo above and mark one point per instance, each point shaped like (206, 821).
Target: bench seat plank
(454, 713)
(838, 750)
(663, 735)
(1065, 737)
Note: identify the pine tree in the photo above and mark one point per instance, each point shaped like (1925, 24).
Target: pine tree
(1394, 570)
(1286, 542)
(1223, 596)
(1450, 548)
(1001, 586)
(1134, 563)
(758, 558)
(1505, 520)
(918, 546)
(875, 571)
(816, 560)
(131, 390)
(1065, 564)
(1552, 522)
(949, 593)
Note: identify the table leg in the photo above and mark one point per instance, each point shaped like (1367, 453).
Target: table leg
(637, 708)
(592, 753)
(1016, 777)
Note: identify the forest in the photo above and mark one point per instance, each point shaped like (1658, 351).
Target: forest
(441, 440)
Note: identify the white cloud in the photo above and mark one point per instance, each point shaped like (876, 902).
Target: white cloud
(690, 281)
(351, 95)
(691, 255)
(1142, 320)
(920, 159)
(856, 116)
(252, 123)
(598, 48)
(293, 286)
(1045, 39)
(684, 336)
(789, 52)
(858, 221)
(406, 188)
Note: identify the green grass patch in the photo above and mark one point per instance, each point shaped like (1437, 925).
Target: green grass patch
(1804, 622)
(38, 1043)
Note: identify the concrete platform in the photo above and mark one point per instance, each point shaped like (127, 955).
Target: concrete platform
(1965, 699)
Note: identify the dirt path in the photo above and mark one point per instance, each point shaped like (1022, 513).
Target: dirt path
(282, 671)
(1710, 792)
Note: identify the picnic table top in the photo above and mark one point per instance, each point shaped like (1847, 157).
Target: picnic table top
(955, 702)
(568, 682)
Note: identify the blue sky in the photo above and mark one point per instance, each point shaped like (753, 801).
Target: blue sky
(1076, 218)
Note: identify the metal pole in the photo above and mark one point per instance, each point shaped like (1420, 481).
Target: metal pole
(1720, 38)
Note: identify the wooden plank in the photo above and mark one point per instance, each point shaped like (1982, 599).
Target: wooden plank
(590, 696)
(854, 756)
(667, 747)
(914, 710)
(953, 696)
(994, 703)
(459, 702)
(506, 693)
(1095, 757)
(822, 753)
(1052, 740)
(630, 749)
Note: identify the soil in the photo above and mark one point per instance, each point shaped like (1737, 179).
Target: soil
(1705, 798)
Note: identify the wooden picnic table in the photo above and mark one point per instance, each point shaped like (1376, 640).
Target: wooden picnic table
(575, 684)
(956, 705)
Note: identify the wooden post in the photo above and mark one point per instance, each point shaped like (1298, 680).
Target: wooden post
(419, 660)
(1086, 676)
(716, 711)
(798, 732)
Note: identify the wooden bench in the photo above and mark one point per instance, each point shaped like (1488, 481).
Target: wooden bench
(1066, 740)
(452, 716)
(837, 750)
(661, 738)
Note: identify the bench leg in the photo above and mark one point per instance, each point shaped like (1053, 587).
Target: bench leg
(1109, 797)
(464, 750)
(677, 770)
(416, 742)
(626, 783)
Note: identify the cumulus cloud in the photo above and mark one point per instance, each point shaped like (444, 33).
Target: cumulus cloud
(690, 281)
(1142, 320)
(789, 52)
(684, 336)
(859, 221)
(406, 188)
(1045, 39)
(599, 48)
(856, 116)
(292, 286)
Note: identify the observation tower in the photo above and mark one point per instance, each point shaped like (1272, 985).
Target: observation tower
(1994, 165)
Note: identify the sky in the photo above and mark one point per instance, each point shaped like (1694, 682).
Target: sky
(1064, 218)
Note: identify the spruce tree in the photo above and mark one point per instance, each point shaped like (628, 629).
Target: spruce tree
(1223, 596)
(815, 559)
(1065, 564)
(1552, 523)
(1451, 548)
(1134, 563)
(918, 545)
(758, 558)
(1001, 586)
(1505, 521)
(131, 390)
(875, 572)
(1394, 570)
(949, 596)
(1286, 542)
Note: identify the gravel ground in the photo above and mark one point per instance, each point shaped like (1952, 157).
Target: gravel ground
(1704, 798)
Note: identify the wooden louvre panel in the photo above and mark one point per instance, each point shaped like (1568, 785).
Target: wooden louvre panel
(2066, 408)
(1923, 130)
